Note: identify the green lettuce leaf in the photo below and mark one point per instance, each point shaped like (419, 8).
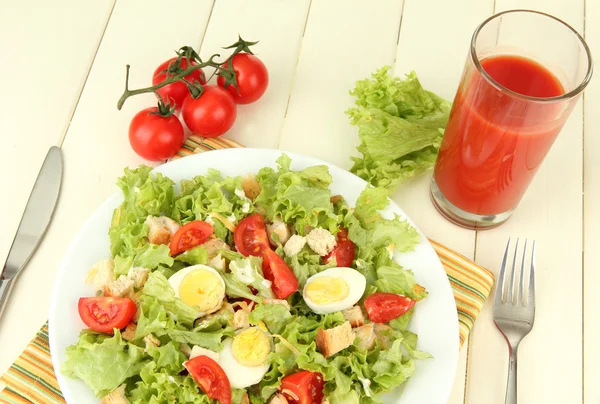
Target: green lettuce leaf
(299, 198)
(102, 362)
(195, 256)
(400, 126)
(394, 279)
(157, 287)
(248, 272)
(144, 194)
(158, 386)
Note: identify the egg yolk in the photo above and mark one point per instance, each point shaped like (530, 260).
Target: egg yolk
(251, 347)
(327, 289)
(202, 289)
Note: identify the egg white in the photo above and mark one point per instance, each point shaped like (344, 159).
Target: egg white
(176, 279)
(356, 283)
(240, 376)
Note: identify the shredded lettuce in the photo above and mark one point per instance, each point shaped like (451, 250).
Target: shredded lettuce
(400, 125)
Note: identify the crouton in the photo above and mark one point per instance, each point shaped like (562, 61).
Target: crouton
(151, 341)
(139, 276)
(335, 339)
(129, 333)
(161, 229)
(245, 399)
(217, 262)
(354, 315)
(276, 301)
(321, 241)
(117, 396)
(136, 298)
(382, 333)
(240, 319)
(122, 287)
(365, 337)
(335, 199)
(251, 187)
(101, 274)
(280, 229)
(279, 399)
(199, 351)
(213, 245)
(418, 289)
(294, 245)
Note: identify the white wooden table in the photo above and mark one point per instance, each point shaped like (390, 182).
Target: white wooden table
(63, 69)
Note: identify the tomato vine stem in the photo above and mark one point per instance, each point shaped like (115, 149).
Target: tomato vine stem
(175, 73)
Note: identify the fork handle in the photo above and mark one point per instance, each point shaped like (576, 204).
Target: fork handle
(511, 385)
(5, 287)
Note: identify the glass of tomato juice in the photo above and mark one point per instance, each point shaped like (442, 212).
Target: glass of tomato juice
(524, 74)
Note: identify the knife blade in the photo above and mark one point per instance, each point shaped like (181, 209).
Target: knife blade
(34, 222)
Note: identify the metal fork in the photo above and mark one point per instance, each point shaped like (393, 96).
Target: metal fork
(514, 314)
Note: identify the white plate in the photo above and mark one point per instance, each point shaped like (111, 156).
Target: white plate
(435, 320)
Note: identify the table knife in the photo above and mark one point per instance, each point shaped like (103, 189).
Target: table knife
(34, 221)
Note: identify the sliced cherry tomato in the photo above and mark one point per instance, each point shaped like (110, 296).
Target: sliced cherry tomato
(155, 137)
(383, 307)
(189, 236)
(211, 114)
(343, 251)
(211, 378)
(175, 93)
(303, 387)
(104, 314)
(283, 279)
(250, 236)
(252, 78)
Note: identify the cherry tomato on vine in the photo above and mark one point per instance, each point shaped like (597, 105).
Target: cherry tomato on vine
(211, 114)
(155, 137)
(176, 92)
(252, 78)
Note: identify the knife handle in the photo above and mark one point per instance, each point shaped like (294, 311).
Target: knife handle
(5, 287)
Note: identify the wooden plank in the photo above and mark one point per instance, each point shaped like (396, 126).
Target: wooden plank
(334, 56)
(96, 147)
(591, 275)
(47, 50)
(425, 49)
(550, 213)
(278, 26)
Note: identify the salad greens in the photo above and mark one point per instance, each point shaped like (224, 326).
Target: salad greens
(400, 125)
(302, 199)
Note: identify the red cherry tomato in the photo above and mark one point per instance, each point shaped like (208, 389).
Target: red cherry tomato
(211, 114)
(343, 251)
(283, 280)
(303, 387)
(383, 307)
(189, 236)
(155, 137)
(211, 378)
(175, 93)
(250, 236)
(104, 314)
(252, 78)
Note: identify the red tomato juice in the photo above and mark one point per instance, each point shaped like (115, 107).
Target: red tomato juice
(496, 140)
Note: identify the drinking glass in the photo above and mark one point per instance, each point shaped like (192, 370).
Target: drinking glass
(524, 73)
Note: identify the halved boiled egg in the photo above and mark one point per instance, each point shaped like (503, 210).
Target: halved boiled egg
(244, 357)
(334, 289)
(199, 286)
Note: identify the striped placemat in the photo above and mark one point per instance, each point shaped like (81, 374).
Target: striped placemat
(31, 378)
